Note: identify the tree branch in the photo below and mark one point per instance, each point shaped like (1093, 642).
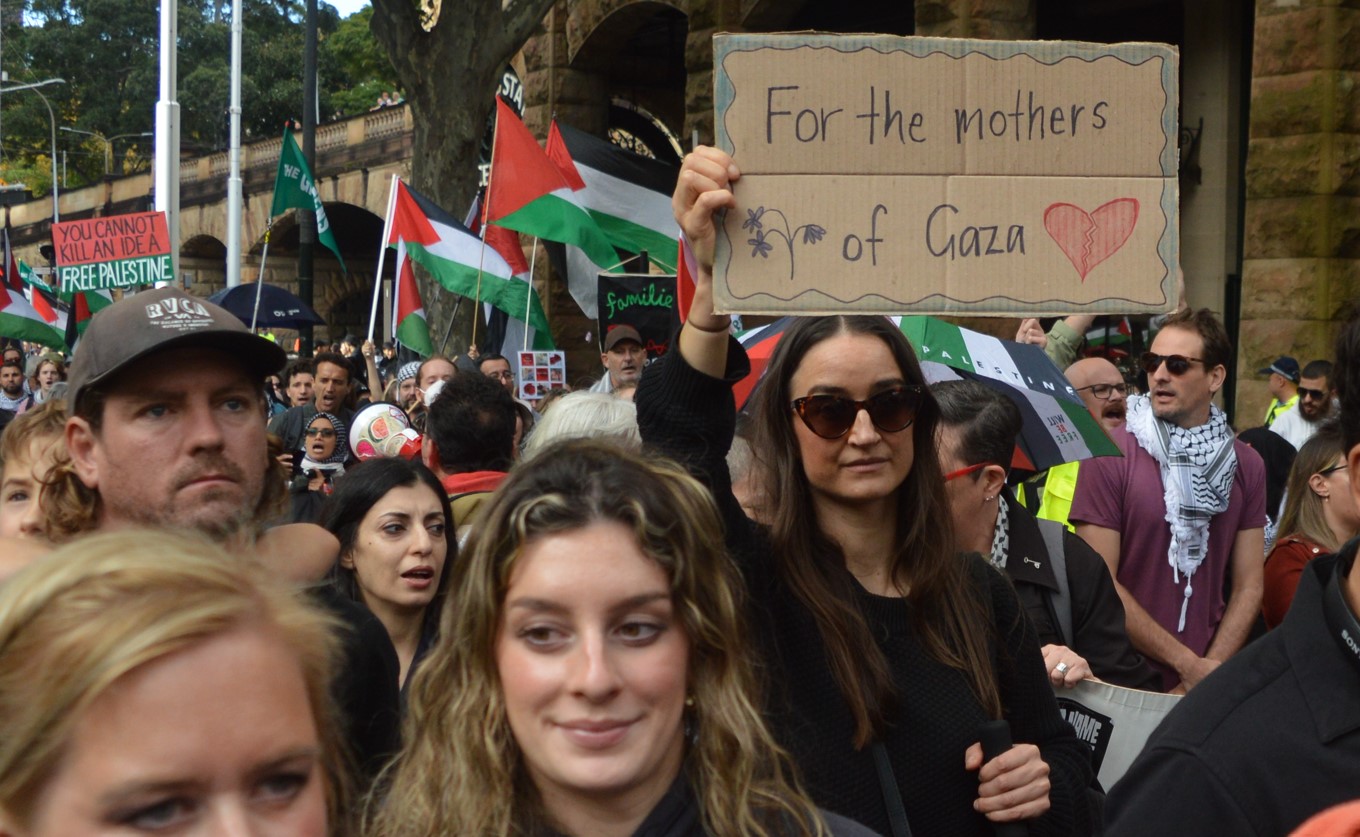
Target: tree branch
(518, 21)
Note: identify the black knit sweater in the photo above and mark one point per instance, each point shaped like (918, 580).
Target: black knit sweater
(690, 417)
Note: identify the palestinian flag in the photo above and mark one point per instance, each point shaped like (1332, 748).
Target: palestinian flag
(628, 195)
(84, 305)
(457, 259)
(410, 326)
(528, 193)
(19, 321)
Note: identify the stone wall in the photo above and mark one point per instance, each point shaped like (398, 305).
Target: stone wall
(1301, 244)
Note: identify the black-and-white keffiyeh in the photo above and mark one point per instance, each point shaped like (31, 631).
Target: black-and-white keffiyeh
(1001, 535)
(1198, 466)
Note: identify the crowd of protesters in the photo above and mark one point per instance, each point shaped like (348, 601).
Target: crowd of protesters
(348, 594)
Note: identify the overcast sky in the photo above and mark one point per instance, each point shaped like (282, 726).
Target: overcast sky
(348, 7)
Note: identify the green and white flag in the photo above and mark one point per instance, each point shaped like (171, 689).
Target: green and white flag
(294, 188)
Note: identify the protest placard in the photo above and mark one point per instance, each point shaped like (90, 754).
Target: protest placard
(645, 301)
(115, 251)
(931, 175)
(540, 372)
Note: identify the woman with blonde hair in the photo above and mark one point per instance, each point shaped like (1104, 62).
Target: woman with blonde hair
(151, 681)
(1319, 516)
(599, 684)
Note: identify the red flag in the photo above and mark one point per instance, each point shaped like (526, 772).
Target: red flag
(506, 242)
(409, 222)
(561, 157)
(520, 172)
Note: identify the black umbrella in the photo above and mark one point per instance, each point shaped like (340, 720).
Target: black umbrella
(278, 308)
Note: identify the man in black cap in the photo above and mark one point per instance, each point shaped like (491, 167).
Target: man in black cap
(1284, 386)
(624, 358)
(167, 430)
(166, 421)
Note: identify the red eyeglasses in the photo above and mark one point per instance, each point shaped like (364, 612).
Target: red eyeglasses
(963, 472)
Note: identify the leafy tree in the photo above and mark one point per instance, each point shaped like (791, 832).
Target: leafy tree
(361, 71)
(107, 50)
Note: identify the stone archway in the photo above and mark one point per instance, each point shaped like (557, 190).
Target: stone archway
(203, 264)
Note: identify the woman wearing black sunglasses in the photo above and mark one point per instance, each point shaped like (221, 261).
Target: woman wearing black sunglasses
(885, 651)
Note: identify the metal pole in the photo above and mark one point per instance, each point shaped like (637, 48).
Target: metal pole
(234, 175)
(167, 128)
(52, 120)
(307, 219)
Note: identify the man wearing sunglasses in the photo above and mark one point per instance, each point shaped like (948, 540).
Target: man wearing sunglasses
(1182, 511)
(1270, 740)
(1314, 406)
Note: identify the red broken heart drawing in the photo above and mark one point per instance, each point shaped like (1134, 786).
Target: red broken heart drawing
(1089, 238)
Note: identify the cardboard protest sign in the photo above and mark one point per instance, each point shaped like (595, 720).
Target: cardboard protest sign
(642, 300)
(1114, 721)
(947, 176)
(115, 251)
(540, 372)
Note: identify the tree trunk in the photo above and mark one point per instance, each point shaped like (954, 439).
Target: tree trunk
(449, 76)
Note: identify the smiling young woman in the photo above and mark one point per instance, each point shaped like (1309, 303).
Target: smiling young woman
(599, 684)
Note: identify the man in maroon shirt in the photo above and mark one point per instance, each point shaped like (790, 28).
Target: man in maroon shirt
(1182, 511)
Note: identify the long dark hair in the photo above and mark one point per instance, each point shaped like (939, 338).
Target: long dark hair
(946, 608)
(358, 491)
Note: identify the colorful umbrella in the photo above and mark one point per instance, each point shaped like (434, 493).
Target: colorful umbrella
(1057, 426)
(759, 343)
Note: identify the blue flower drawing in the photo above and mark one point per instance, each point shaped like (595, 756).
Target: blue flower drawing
(761, 244)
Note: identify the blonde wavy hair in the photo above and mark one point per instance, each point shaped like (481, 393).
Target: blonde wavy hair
(91, 612)
(461, 770)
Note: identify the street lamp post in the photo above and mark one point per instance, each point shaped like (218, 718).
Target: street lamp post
(52, 120)
(108, 143)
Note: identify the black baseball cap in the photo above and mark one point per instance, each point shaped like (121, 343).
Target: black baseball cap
(1283, 365)
(164, 318)
(618, 334)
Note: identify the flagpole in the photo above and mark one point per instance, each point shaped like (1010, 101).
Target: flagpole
(382, 252)
(259, 280)
(486, 206)
(529, 294)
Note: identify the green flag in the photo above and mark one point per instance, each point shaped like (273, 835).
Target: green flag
(295, 188)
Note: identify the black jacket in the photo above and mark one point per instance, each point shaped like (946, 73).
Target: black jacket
(1263, 743)
(690, 416)
(1097, 613)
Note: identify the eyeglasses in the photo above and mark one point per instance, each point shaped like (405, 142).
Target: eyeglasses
(501, 376)
(1175, 364)
(1332, 470)
(832, 416)
(1311, 394)
(323, 432)
(963, 472)
(1106, 391)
